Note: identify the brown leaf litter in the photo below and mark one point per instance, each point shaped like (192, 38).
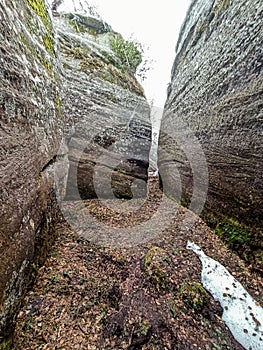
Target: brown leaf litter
(148, 296)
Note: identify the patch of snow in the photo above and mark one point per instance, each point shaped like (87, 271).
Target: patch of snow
(243, 316)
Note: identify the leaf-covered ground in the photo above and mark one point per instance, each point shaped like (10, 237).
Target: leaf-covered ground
(148, 296)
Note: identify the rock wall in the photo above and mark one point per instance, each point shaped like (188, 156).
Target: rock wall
(92, 101)
(31, 126)
(111, 136)
(215, 101)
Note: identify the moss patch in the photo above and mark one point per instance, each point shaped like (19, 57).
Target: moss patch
(47, 65)
(57, 101)
(233, 233)
(157, 264)
(107, 71)
(105, 65)
(220, 6)
(194, 295)
(7, 344)
(142, 328)
(77, 27)
(28, 47)
(245, 240)
(48, 41)
(40, 9)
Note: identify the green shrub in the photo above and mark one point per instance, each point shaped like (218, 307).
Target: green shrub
(129, 53)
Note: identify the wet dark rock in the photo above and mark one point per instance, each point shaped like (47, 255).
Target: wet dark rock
(215, 97)
(31, 127)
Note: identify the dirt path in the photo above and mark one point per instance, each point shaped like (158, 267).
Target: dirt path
(147, 296)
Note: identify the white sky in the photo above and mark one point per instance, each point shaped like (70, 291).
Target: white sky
(156, 24)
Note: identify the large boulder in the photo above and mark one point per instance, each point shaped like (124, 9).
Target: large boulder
(108, 119)
(31, 128)
(90, 24)
(214, 110)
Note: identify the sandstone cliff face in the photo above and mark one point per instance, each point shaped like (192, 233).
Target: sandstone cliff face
(215, 98)
(30, 134)
(110, 140)
(105, 119)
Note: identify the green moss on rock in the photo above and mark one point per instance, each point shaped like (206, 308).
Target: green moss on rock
(77, 27)
(220, 6)
(156, 265)
(58, 101)
(22, 39)
(194, 295)
(7, 344)
(244, 240)
(48, 40)
(201, 27)
(40, 9)
(108, 72)
(79, 52)
(142, 328)
(87, 24)
(121, 187)
(233, 233)
(47, 65)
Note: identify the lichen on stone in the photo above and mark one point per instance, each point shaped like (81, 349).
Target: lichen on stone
(40, 9)
(48, 40)
(220, 6)
(46, 63)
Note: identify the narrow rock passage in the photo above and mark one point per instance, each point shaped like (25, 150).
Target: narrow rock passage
(119, 275)
(148, 296)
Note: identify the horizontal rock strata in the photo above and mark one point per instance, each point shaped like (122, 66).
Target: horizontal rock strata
(109, 132)
(214, 109)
